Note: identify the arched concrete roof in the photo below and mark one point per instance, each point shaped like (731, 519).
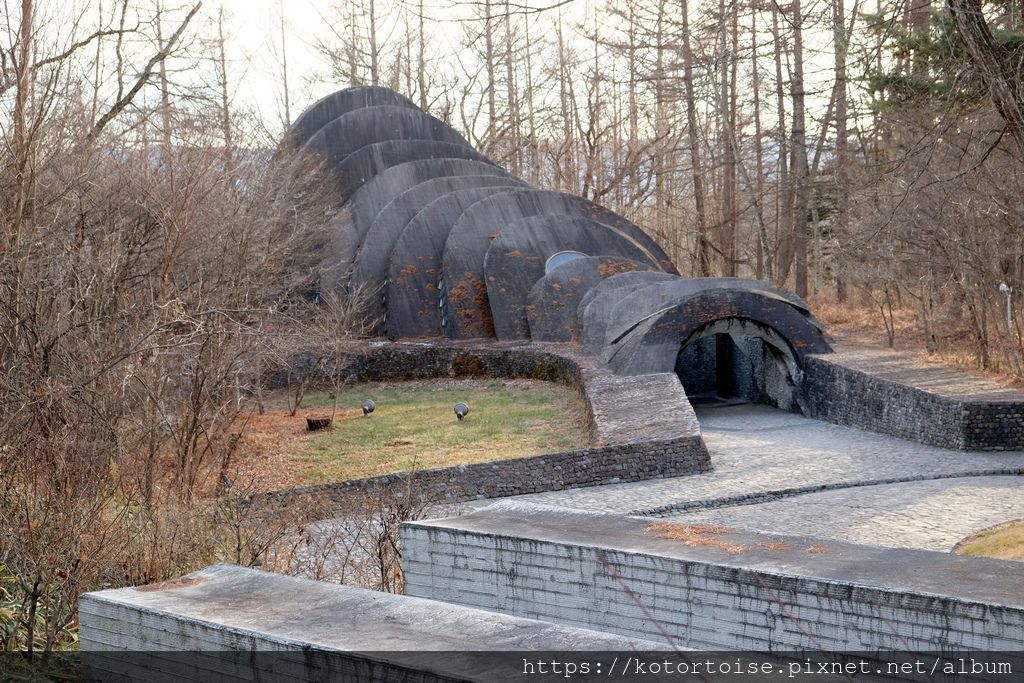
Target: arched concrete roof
(638, 305)
(367, 162)
(595, 308)
(516, 259)
(556, 296)
(369, 200)
(370, 266)
(414, 270)
(360, 127)
(465, 299)
(339, 103)
(653, 344)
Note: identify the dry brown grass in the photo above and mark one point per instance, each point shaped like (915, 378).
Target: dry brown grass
(775, 545)
(858, 324)
(414, 427)
(697, 535)
(1004, 542)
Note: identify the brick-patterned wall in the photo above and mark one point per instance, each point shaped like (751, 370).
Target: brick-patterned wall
(607, 573)
(227, 623)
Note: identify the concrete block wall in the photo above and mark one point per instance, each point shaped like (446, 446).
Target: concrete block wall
(227, 623)
(609, 573)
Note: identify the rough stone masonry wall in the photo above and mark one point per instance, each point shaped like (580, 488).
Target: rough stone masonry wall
(661, 440)
(845, 395)
(609, 573)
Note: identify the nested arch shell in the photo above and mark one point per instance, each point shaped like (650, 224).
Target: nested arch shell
(637, 306)
(367, 162)
(653, 344)
(370, 267)
(360, 127)
(555, 298)
(414, 270)
(518, 256)
(338, 103)
(370, 199)
(595, 308)
(465, 297)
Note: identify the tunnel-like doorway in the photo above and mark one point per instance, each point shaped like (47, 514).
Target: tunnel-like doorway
(739, 360)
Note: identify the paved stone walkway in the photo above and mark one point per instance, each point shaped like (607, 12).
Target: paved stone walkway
(931, 515)
(777, 471)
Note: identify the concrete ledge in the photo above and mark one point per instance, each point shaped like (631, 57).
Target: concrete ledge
(643, 427)
(738, 591)
(226, 608)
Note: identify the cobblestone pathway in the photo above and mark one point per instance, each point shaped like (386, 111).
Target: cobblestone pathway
(777, 471)
(932, 515)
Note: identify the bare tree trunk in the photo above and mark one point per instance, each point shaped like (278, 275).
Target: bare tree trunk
(535, 161)
(515, 158)
(374, 49)
(421, 60)
(703, 259)
(1004, 86)
(800, 205)
(492, 86)
(222, 74)
(784, 195)
(841, 220)
(763, 263)
(165, 96)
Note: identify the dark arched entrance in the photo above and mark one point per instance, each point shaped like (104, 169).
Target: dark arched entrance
(739, 360)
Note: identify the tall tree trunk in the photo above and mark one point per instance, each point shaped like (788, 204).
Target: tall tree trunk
(225, 104)
(784, 194)
(515, 151)
(800, 203)
(1004, 86)
(374, 48)
(702, 255)
(421, 59)
(841, 220)
(763, 263)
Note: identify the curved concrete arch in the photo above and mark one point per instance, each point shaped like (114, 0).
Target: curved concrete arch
(595, 308)
(517, 258)
(414, 270)
(328, 108)
(634, 308)
(654, 344)
(556, 296)
(369, 200)
(370, 266)
(367, 162)
(360, 127)
(465, 297)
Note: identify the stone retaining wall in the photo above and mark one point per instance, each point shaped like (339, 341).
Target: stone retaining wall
(642, 427)
(727, 591)
(854, 397)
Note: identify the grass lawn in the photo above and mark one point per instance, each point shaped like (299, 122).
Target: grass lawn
(1005, 542)
(414, 427)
